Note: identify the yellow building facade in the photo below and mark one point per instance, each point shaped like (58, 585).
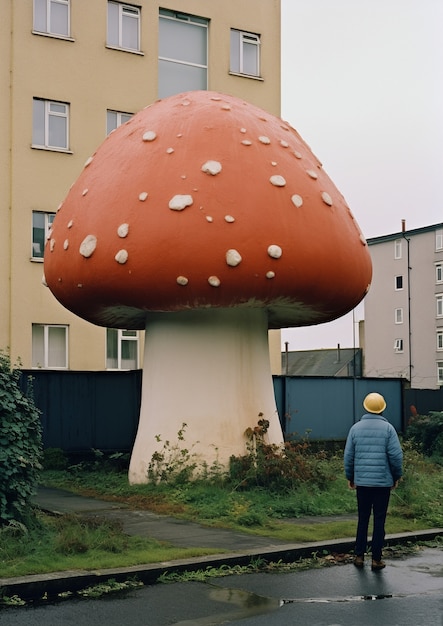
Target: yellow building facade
(71, 72)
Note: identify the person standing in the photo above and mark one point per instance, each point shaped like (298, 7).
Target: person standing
(373, 461)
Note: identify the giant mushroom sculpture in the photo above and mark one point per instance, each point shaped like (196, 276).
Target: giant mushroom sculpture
(205, 221)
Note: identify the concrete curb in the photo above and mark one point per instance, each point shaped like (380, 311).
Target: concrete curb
(36, 586)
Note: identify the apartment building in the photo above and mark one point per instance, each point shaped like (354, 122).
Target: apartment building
(71, 72)
(403, 329)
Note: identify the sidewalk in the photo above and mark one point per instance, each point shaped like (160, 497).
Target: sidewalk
(240, 548)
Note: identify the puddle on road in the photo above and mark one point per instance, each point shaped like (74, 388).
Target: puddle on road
(249, 604)
(379, 596)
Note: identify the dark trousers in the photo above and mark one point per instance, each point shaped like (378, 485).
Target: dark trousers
(375, 500)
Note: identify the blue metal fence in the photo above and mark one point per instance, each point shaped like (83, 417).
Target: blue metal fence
(84, 410)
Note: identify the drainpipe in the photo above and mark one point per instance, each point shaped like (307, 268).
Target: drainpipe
(408, 257)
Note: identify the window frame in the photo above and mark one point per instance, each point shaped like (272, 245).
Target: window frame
(48, 220)
(439, 272)
(48, 15)
(398, 252)
(48, 114)
(398, 315)
(46, 346)
(398, 345)
(183, 18)
(119, 120)
(244, 38)
(439, 340)
(440, 373)
(131, 10)
(439, 239)
(439, 305)
(120, 339)
(398, 282)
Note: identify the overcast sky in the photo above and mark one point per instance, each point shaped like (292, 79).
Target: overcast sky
(362, 82)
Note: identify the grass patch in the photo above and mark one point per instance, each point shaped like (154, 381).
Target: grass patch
(79, 543)
(252, 506)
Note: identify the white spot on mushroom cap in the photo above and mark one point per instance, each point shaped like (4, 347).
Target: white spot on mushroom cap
(84, 192)
(297, 154)
(326, 198)
(180, 202)
(149, 135)
(230, 219)
(170, 150)
(264, 139)
(180, 135)
(275, 251)
(142, 197)
(226, 107)
(186, 103)
(52, 244)
(233, 258)
(364, 242)
(209, 218)
(44, 283)
(277, 181)
(212, 167)
(89, 161)
(297, 200)
(312, 173)
(88, 245)
(182, 280)
(284, 144)
(270, 274)
(70, 223)
(274, 163)
(243, 130)
(214, 281)
(66, 244)
(121, 256)
(246, 142)
(123, 230)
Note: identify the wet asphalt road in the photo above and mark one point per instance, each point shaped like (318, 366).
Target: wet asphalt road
(409, 592)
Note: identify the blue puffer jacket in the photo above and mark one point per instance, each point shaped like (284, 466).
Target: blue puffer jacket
(373, 455)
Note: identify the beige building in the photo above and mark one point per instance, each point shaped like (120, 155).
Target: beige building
(403, 330)
(71, 72)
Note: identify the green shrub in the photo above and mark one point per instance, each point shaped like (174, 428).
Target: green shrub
(279, 467)
(54, 459)
(20, 446)
(427, 432)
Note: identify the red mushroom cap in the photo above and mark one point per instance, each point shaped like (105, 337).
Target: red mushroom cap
(204, 200)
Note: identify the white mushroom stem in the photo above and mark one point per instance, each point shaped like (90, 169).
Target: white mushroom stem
(208, 369)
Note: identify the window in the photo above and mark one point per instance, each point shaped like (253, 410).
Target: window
(398, 345)
(49, 346)
(398, 283)
(114, 119)
(439, 339)
(123, 26)
(245, 53)
(439, 372)
(50, 124)
(52, 17)
(398, 316)
(121, 349)
(397, 249)
(183, 53)
(439, 272)
(41, 225)
(439, 301)
(439, 239)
